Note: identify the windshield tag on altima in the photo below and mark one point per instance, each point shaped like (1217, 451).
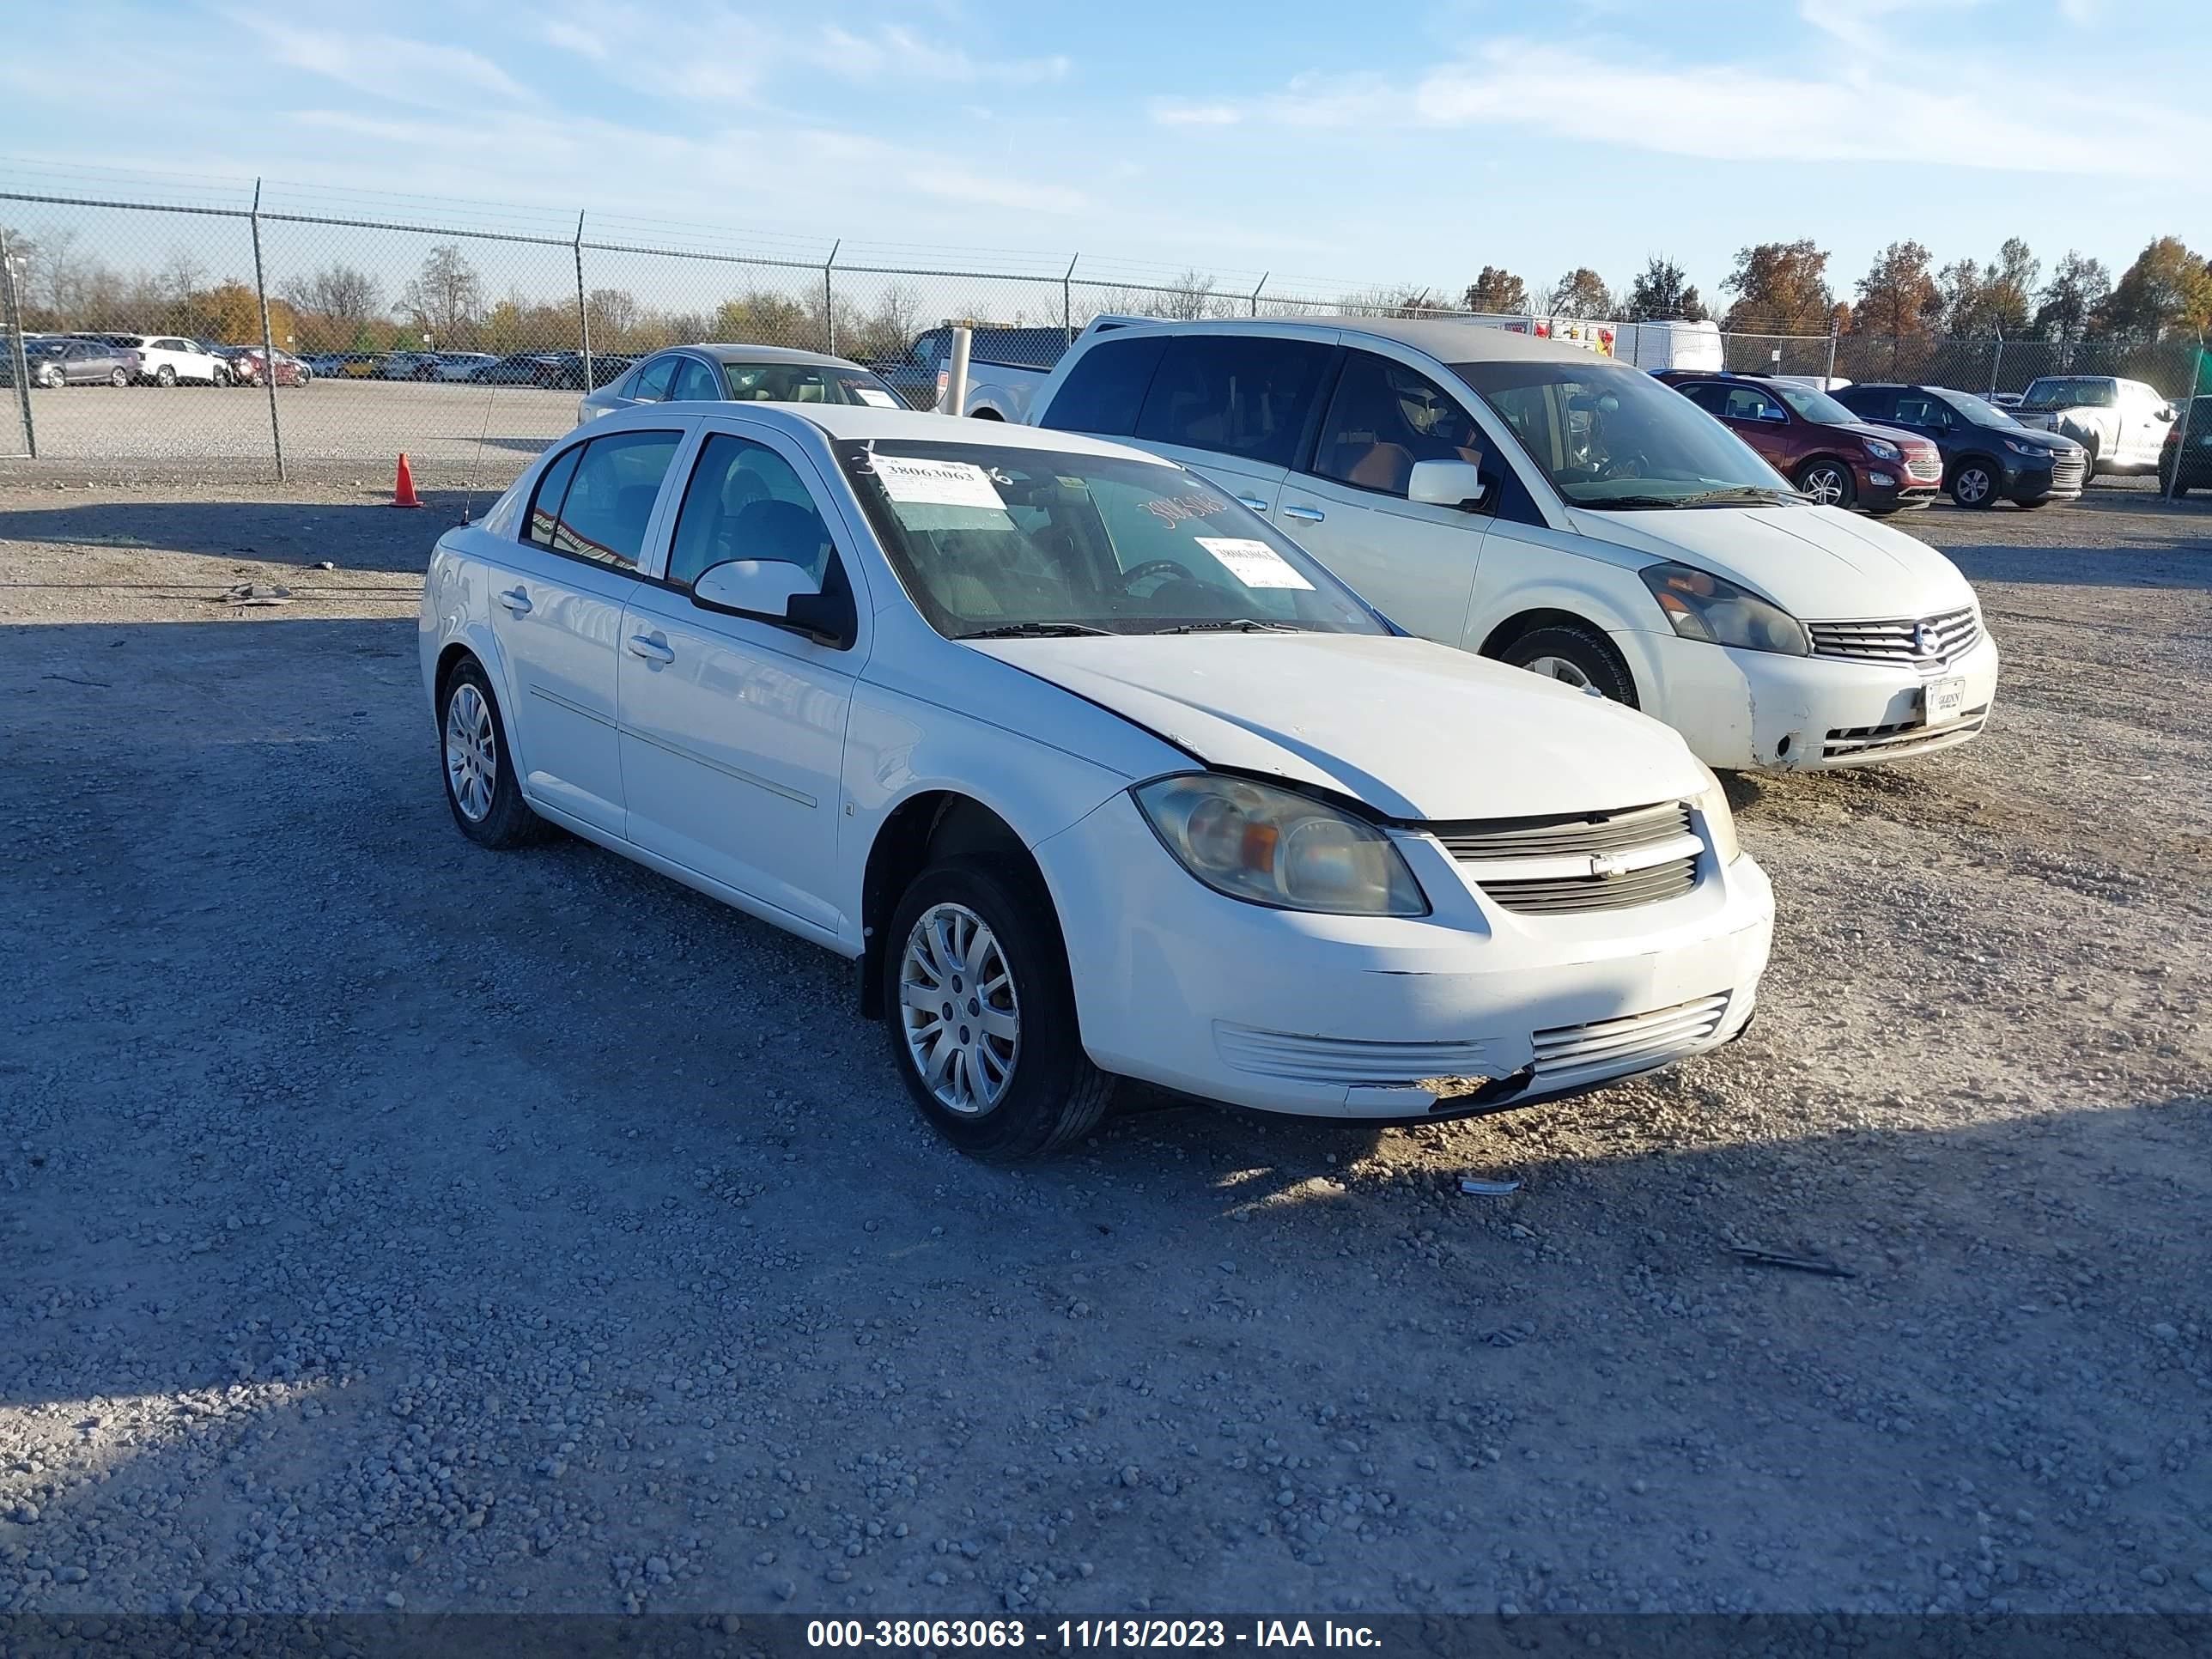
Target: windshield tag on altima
(936, 484)
(1254, 563)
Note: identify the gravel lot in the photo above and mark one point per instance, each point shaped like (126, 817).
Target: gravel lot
(387, 1223)
(332, 430)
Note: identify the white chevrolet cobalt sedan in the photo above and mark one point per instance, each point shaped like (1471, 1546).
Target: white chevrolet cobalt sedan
(1094, 772)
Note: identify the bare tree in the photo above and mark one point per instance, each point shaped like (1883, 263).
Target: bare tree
(446, 299)
(344, 293)
(1186, 299)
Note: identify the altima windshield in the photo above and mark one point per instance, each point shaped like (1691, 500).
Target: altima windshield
(1816, 406)
(1612, 437)
(808, 383)
(998, 542)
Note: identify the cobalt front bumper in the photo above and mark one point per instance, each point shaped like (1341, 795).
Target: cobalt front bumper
(1476, 1007)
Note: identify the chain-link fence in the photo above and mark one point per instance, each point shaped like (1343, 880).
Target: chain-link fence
(236, 333)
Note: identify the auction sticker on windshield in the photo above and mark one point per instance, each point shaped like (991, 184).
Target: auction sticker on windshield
(1254, 563)
(936, 484)
(875, 397)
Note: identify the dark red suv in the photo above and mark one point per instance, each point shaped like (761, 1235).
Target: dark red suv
(1816, 443)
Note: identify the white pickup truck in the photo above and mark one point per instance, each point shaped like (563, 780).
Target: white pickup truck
(2122, 423)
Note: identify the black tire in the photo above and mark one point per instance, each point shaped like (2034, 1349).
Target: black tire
(118, 378)
(1582, 647)
(165, 376)
(2089, 473)
(221, 377)
(1840, 480)
(50, 377)
(508, 820)
(1053, 1096)
(1975, 482)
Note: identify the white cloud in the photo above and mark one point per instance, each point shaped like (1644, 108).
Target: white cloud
(895, 50)
(1734, 112)
(574, 37)
(386, 65)
(1175, 113)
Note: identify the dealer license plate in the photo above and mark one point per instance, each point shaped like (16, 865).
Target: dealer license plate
(1946, 700)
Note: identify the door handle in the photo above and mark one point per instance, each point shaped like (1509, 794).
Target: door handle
(1304, 514)
(651, 650)
(1254, 502)
(516, 600)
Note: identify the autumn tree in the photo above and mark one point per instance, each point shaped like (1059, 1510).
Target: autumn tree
(1581, 294)
(337, 305)
(1781, 288)
(446, 299)
(1898, 296)
(2074, 299)
(2168, 287)
(1663, 292)
(1497, 291)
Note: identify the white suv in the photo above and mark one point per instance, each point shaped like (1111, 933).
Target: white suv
(167, 359)
(2122, 423)
(1553, 509)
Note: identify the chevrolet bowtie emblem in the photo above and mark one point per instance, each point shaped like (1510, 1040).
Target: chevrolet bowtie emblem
(1608, 864)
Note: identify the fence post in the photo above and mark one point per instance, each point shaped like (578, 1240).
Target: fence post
(1828, 380)
(1997, 362)
(1067, 301)
(21, 359)
(1263, 283)
(268, 344)
(2188, 407)
(583, 311)
(829, 305)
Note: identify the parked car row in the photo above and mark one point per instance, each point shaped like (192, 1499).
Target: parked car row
(559, 370)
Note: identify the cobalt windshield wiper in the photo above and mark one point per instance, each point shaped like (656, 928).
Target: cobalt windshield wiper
(1033, 630)
(1238, 625)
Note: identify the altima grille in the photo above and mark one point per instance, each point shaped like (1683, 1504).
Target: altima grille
(1928, 643)
(1634, 1042)
(1590, 862)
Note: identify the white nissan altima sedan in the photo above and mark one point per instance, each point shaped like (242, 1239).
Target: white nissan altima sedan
(1093, 772)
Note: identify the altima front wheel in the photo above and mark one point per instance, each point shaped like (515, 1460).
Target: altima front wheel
(982, 1012)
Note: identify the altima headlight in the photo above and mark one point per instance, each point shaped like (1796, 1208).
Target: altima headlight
(1881, 451)
(1711, 803)
(1269, 846)
(1702, 606)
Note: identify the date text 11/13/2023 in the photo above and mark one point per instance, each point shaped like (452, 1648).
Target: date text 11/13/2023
(942, 1634)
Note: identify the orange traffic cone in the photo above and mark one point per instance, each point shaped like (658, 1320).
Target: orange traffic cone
(403, 492)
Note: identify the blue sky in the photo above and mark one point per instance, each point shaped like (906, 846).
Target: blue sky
(1307, 140)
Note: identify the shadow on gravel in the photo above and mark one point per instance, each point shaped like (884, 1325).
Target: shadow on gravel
(2181, 561)
(385, 1216)
(370, 534)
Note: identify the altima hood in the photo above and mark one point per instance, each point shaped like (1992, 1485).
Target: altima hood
(1416, 731)
(1818, 563)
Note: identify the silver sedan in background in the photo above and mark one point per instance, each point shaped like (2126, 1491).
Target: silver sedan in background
(740, 374)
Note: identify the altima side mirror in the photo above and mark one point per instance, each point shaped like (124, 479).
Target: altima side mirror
(774, 590)
(1446, 484)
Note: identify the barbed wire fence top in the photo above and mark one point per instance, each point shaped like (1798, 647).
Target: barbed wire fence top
(465, 333)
